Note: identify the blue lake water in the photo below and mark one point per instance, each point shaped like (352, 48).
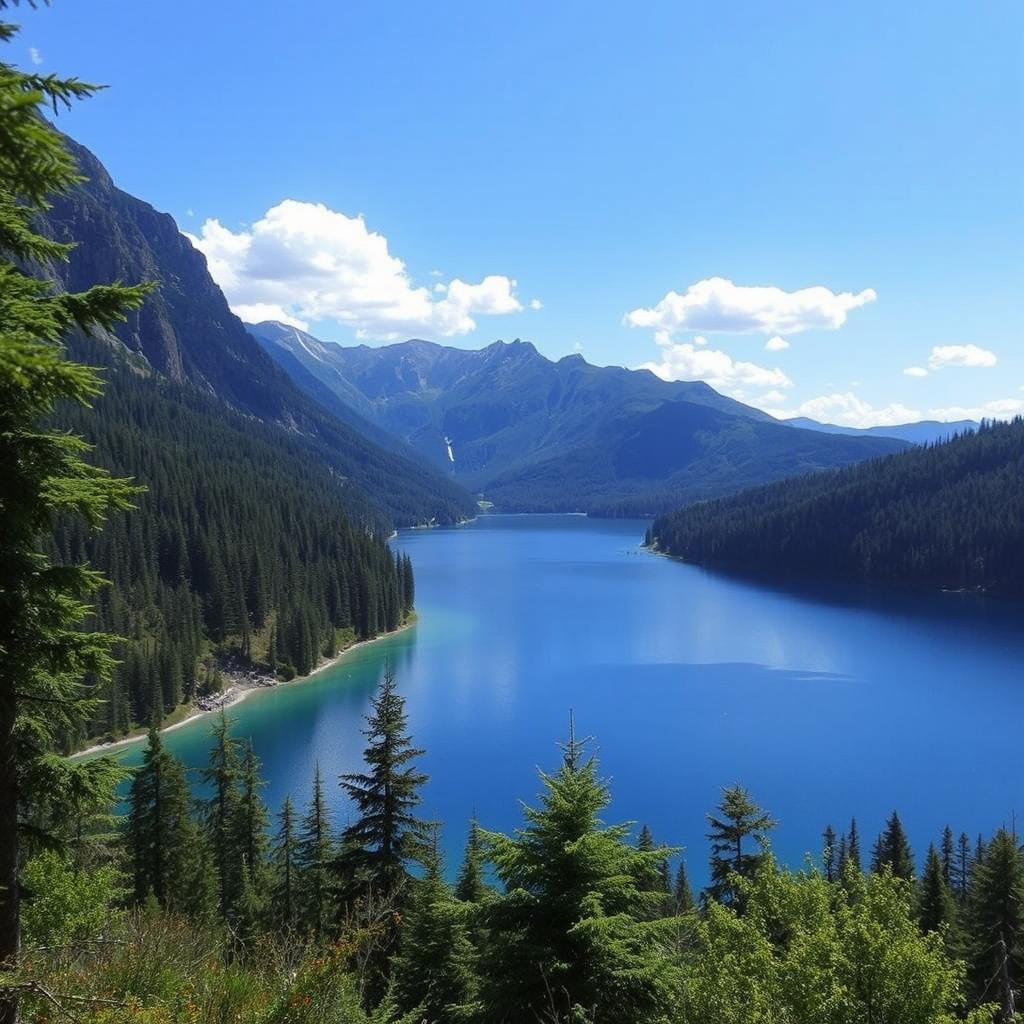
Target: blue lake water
(826, 702)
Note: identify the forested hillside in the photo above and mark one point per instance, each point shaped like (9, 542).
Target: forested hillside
(950, 515)
(242, 543)
(186, 333)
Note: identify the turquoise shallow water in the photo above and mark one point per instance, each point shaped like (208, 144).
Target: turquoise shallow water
(826, 702)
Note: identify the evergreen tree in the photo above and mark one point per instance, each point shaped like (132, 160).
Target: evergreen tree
(167, 854)
(996, 915)
(828, 853)
(284, 895)
(249, 835)
(738, 819)
(386, 835)
(43, 477)
(962, 871)
(853, 847)
(222, 776)
(935, 904)
(681, 890)
(892, 850)
(948, 857)
(314, 851)
(470, 886)
(569, 938)
(433, 970)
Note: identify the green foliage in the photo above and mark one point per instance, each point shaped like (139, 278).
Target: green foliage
(570, 933)
(892, 850)
(947, 515)
(45, 657)
(808, 952)
(314, 853)
(739, 820)
(65, 904)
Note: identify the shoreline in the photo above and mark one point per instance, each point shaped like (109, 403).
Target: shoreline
(242, 692)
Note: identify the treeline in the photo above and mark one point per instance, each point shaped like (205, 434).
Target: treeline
(945, 515)
(244, 549)
(566, 920)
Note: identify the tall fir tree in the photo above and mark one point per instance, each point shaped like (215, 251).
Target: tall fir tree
(43, 477)
(314, 853)
(739, 820)
(386, 835)
(221, 775)
(828, 853)
(167, 854)
(853, 847)
(936, 907)
(283, 899)
(681, 890)
(249, 838)
(892, 850)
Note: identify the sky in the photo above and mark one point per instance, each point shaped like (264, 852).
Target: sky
(816, 207)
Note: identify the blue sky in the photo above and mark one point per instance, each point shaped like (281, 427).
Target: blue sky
(378, 170)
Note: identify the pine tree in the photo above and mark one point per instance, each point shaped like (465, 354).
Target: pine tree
(249, 831)
(470, 886)
(996, 914)
(681, 890)
(962, 871)
(167, 854)
(892, 850)
(433, 971)
(283, 893)
(828, 853)
(738, 819)
(853, 847)
(314, 852)
(43, 477)
(222, 776)
(948, 857)
(935, 904)
(569, 938)
(386, 834)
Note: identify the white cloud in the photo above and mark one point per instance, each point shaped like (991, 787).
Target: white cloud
(776, 344)
(916, 371)
(257, 312)
(1000, 409)
(536, 304)
(717, 304)
(689, 362)
(847, 410)
(960, 355)
(314, 263)
(770, 399)
(35, 56)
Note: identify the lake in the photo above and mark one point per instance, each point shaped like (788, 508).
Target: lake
(825, 701)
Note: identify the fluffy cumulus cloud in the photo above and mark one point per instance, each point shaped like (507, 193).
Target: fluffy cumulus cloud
(776, 344)
(999, 409)
(717, 304)
(916, 371)
(688, 361)
(303, 261)
(960, 355)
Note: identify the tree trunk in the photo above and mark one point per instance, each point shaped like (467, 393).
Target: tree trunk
(9, 894)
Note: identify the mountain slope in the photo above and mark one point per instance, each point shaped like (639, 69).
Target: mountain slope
(532, 434)
(922, 432)
(188, 335)
(950, 515)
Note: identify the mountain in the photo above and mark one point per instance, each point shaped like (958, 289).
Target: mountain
(186, 334)
(922, 432)
(532, 434)
(259, 543)
(950, 515)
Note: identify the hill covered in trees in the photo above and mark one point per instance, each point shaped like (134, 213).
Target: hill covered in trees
(948, 515)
